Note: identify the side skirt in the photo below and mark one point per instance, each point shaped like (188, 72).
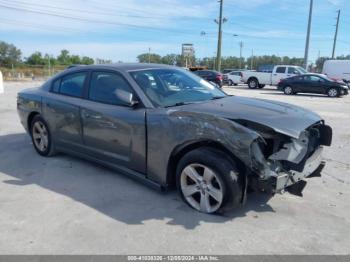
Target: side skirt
(126, 171)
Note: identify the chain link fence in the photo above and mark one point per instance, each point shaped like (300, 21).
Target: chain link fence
(30, 72)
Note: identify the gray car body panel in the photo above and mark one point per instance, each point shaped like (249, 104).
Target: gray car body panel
(282, 117)
(143, 139)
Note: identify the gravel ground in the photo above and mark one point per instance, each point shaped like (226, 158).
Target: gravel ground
(64, 205)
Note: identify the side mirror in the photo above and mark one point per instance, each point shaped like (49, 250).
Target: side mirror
(126, 97)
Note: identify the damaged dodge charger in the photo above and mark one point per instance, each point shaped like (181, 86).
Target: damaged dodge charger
(169, 128)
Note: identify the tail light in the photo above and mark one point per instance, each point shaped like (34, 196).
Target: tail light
(219, 77)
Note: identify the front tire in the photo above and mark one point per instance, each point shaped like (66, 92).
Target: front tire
(208, 181)
(333, 92)
(41, 136)
(230, 82)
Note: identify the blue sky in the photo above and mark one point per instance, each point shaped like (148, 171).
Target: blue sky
(122, 29)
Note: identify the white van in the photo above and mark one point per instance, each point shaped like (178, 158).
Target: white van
(337, 69)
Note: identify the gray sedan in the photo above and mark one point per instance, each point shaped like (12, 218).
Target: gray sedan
(169, 128)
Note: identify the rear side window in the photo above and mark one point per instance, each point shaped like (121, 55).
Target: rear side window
(56, 86)
(104, 87)
(281, 70)
(71, 85)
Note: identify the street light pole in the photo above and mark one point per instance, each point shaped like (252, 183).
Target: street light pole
(306, 57)
(240, 54)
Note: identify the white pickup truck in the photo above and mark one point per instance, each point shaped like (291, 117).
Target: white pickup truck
(256, 79)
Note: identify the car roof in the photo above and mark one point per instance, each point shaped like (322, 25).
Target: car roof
(122, 66)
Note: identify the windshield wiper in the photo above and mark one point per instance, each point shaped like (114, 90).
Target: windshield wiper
(177, 104)
(217, 97)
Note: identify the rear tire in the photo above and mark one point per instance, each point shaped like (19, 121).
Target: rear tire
(253, 83)
(333, 92)
(230, 82)
(41, 137)
(208, 181)
(288, 90)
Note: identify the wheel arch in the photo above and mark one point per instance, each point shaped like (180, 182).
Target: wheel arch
(30, 119)
(333, 87)
(181, 150)
(253, 78)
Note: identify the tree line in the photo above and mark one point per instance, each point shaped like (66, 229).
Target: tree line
(232, 62)
(11, 56)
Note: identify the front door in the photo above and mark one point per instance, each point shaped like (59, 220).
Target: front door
(315, 84)
(112, 130)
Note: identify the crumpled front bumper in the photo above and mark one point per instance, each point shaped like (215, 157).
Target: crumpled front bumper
(293, 181)
(314, 163)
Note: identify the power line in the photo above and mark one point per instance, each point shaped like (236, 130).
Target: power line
(82, 11)
(82, 19)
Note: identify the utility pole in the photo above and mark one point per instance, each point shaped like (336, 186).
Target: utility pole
(149, 55)
(218, 54)
(240, 54)
(336, 35)
(251, 60)
(48, 57)
(306, 57)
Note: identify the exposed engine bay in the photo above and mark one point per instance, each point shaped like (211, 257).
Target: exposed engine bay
(281, 161)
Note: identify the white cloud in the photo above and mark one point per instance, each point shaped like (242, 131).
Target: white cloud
(335, 2)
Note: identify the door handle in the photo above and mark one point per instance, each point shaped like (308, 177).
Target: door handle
(91, 116)
(274, 74)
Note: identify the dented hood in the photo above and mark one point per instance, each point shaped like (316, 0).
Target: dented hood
(282, 117)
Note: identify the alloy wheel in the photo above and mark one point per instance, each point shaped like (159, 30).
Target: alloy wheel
(252, 84)
(201, 188)
(40, 136)
(332, 92)
(288, 90)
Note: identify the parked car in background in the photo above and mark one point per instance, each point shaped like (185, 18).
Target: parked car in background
(211, 76)
(169, 128)
(256, 79)
(225, 71)
(337, 69)
(312, 83)
(233, 78)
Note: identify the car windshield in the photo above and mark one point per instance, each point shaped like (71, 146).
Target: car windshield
(172, 87)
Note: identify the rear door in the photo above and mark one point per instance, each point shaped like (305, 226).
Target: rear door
(280, 72)
(113, 131)
(61, 110)
(298, 83)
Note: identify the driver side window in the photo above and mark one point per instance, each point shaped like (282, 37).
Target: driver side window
(104, 87)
